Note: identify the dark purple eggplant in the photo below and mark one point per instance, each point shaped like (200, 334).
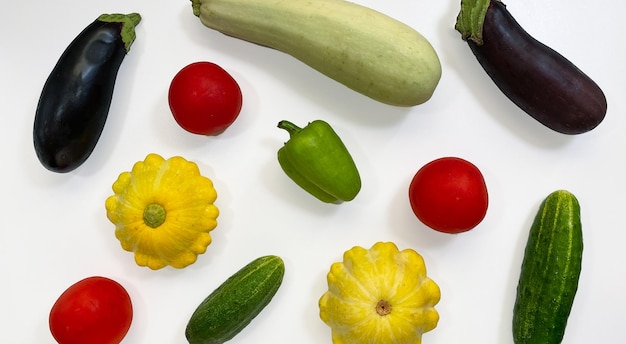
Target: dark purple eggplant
(76, 97)
(536, 78)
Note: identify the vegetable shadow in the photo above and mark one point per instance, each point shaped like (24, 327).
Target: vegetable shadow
(278, 184)
(512, 278)
(408, 227)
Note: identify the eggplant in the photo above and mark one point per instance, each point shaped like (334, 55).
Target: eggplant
(539, 80)
(76, 97)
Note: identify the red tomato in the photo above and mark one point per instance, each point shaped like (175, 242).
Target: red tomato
(95, 310)
(204, 98)
(449, 195)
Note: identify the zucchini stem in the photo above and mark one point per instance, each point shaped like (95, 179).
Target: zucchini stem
(195, 5)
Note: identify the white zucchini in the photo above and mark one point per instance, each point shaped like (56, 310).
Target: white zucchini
(359, 47)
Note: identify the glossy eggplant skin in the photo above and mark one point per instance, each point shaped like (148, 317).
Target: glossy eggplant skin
(536, 78)
(76, 97)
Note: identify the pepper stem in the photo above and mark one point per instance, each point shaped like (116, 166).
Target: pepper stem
(290, 127)
(154, 215)
(471, 18)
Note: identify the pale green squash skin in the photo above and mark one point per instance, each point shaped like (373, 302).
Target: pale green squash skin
(233, 305)
(361, 48)
(550, 271)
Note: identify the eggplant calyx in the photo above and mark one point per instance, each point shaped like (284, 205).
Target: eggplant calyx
(128, 21)
(471, 18)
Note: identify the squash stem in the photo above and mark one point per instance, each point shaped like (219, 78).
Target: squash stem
(154, 215)
(471, 18)
(383, 307)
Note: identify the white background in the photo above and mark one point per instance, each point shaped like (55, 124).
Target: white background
(55, 232)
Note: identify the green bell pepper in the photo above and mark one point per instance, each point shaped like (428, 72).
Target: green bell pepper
(316, 159)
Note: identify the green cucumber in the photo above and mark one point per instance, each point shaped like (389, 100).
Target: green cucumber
(550, 271)
(231, 307)
(359, 47)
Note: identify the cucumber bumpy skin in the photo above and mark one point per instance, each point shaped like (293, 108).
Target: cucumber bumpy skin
(550, 271)
(233, 305)
(359, 47)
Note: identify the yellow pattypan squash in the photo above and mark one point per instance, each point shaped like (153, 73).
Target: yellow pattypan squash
(163, 211)
(379, 296)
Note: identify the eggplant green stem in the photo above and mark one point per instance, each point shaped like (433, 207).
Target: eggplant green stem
(290, 127)
(471, 18)
(129, 22)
